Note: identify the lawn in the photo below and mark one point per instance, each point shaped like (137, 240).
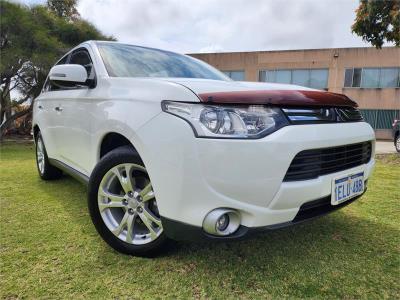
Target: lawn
(49, 248)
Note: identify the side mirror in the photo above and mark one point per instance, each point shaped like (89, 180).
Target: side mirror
(69, 74)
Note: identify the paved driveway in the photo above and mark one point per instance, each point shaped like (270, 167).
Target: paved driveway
(384, 147)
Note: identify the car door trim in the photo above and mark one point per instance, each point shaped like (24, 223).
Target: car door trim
(69, 170)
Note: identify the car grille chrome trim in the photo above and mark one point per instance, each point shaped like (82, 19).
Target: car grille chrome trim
(310, 164)
(322, 115)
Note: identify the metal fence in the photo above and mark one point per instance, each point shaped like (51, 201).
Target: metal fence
(380, 118)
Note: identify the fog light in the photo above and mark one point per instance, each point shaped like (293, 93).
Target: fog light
(221, 221)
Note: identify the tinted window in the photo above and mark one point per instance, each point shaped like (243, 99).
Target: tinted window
(81, 57)
(48, 85)
(267, 76)
(357, 77)
(132, 61)
(370, 78)
(300, 77)
(348, 77)
(314, 78)
(318, 79)
(389, 77)
(63, 60)
(283, 76)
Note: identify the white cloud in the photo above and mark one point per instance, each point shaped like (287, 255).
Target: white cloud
(225, 25)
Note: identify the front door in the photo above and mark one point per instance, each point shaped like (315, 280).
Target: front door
(75, 108)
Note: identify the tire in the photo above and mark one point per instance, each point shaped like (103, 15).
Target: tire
(45, 169)
(122, 204)
(397, 142)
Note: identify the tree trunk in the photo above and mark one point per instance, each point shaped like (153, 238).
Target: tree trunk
(7, 123)
(5, 102)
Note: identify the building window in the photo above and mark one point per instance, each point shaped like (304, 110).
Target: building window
(235, 75)
(372, 77)
(314, 78)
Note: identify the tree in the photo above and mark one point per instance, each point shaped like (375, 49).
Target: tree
(64, 8)
(31, 40)
(378, 21)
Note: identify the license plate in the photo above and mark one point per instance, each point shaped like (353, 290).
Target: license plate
(347, 187)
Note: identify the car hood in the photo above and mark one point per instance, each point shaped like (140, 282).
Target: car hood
(240, 92)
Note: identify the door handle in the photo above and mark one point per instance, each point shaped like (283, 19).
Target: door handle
(58, 108)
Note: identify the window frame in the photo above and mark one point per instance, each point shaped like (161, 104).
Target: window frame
(379, 79)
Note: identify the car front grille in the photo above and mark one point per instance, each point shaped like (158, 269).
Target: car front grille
(310, 164)
(322, 115)
(320, 207)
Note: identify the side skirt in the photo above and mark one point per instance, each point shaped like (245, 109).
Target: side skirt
(70, 171)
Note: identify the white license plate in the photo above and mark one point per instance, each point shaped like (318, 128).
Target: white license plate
(347, 187)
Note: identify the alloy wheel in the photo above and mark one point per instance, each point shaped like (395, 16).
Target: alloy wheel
(128, 206)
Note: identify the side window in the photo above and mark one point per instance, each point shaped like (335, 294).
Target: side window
(82, 57)
(63, 60)
(78, 57)
(48, 86)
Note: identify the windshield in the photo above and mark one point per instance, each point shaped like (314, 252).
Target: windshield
(132, 61)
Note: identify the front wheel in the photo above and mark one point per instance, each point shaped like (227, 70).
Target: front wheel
(397, 143)
(123, 206)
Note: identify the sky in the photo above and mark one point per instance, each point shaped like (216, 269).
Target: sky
(191, 26)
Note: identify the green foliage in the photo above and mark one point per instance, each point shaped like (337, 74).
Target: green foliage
(31, 40)
(378, 21)
(63, 8)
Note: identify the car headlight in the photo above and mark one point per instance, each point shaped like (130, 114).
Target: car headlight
(213, 121)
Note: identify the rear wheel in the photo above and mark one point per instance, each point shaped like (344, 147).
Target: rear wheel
(397, 143)
(123, 206)
(45, 169)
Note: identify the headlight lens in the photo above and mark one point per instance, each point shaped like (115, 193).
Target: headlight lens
(252, 121)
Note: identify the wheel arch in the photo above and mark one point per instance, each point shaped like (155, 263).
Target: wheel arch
(111, 141)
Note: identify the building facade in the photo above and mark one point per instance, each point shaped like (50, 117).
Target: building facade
(367, 75)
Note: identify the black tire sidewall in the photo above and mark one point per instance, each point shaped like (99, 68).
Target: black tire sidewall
(49, 172)
(39, 137)
(396, 143)
(118, 156)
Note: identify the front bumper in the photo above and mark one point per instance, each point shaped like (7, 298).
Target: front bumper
(308, 211)
(192, 176)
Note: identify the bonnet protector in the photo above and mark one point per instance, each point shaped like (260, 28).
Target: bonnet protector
(279, 97)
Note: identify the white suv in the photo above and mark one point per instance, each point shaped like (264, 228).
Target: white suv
(172, 148)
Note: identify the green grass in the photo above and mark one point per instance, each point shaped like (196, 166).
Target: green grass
(49, 248)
